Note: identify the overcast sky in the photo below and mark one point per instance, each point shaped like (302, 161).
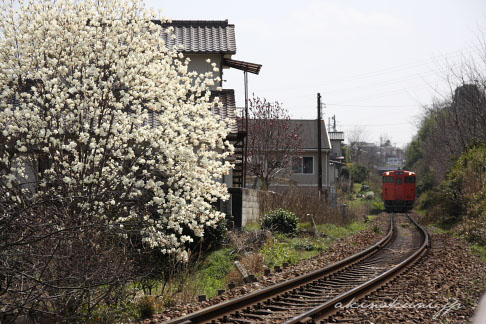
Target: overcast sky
(375, 62)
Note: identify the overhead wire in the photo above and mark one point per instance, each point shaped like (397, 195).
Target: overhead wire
(371, 74)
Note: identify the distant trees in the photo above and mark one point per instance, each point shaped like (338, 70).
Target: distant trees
(359, 173)
(361, 152)
(448, 128)
(357, 138)
(448, 153)
(273, 141)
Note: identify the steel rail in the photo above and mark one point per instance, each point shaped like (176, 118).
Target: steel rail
(225, 308)
(329, 307)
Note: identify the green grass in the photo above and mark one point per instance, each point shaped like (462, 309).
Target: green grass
(286, 249)
(251, 227)
(371, 218)
(479, 250)
(435, 229)
(215, 268)
(293, 249)
(355, 203)
(334, 231)
(421, 212)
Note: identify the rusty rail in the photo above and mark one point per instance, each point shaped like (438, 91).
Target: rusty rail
(322, 311)
(225, 308)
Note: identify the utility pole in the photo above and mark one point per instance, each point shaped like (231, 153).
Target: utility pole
(319, 145)
(245, 162)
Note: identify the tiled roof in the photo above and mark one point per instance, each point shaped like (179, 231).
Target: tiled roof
(201, 36)
(227, 109)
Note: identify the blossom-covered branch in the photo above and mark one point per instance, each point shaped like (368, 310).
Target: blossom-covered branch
(102, 126)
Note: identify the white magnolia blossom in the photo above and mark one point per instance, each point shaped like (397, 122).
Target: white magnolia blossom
(121, 131)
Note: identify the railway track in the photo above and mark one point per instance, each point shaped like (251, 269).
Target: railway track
(311, 298)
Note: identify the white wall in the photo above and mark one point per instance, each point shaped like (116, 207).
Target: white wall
(198, 63)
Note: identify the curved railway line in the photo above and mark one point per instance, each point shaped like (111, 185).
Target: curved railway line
(311, 298)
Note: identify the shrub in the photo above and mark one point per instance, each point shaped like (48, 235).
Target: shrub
(214, 236)
(377, 206)
(359, 173)
(280, 220)
(370, 195)
(146, 307)
(462, 194)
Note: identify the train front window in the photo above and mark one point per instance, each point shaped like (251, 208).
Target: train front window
(399, 181)
(409, 179)
(387, 179)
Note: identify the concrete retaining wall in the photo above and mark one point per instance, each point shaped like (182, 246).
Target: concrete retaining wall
(252, 209)
(247, 205)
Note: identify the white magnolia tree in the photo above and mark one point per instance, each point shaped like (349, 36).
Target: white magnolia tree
(102, 126)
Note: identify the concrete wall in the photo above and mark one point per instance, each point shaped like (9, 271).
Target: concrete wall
(246, 205)
(336, 147)
(252, 209)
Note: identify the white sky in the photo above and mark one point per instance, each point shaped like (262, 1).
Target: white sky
(375, 62)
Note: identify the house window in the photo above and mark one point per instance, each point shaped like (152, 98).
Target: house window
(303, 164)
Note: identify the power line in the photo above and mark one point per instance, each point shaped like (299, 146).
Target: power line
(372, 106)
(408, 66)
(377, 125)
(399, 80)
(383, 94)
(400, 67)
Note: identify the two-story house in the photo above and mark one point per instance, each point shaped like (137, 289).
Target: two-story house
(305, 166)
(305, 170)
(200, 40)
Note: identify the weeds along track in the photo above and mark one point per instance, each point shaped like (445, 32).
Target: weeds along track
(312, 297)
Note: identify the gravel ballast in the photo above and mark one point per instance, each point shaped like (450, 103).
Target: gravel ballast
(340, 249)
(443, 287)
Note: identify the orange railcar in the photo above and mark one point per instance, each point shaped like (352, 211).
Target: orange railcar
(398, 190)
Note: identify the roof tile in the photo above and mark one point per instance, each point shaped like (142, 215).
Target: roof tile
(227, 110)
(201, 36)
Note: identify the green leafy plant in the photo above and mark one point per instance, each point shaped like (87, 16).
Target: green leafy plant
(276, 253)
(212, 275)
(377, 206)
(359, 173)
(304, 245)
(280, 220)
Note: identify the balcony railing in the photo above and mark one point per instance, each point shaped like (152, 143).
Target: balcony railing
(336, 136)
